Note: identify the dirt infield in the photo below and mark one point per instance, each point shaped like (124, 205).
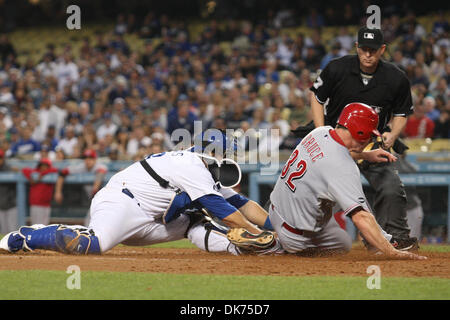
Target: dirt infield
(195, 261)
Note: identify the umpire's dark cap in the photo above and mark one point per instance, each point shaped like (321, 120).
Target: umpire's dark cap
(372, 38)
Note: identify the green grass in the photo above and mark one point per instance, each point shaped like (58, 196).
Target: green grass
(51, 285)
(123, 285)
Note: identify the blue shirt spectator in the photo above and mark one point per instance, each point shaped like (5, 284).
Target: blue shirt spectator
(181, 118)
(25, 144)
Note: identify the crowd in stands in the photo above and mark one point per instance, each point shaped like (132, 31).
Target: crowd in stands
(126, 104)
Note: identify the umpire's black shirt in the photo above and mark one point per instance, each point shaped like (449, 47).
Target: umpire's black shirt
(388, 92)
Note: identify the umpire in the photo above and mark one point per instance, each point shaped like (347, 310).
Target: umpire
(366, 78)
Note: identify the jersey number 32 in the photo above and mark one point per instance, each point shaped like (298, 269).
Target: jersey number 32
(298, 172)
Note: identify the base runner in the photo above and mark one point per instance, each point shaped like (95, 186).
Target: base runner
(321, 177)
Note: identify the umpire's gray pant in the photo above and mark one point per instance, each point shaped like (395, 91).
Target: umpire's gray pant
(332, 237)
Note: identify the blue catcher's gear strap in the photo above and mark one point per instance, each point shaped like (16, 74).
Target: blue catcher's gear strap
(57, 237)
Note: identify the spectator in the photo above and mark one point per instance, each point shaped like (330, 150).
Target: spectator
(25, 145)
(66, 72)
(400, 60)
(108, 127)
(430, 108)
(150, 27)
(41, 193)
(74, 120)
(291, 140)
(45, 153)
(280, 123)
(8, 207)
(314, 19)
(138, 139)
(91, 81)
(349, 17)
(6, 95)
(119, 90)
(441, 89)
(333, 54)
(257, 121)
(7, 51)
(418, 124)
(68, 142)
(5, 118)
(442, 125)
(300, 112)
(236, 116)
(437, 67)
(47, 68)
(346, 40)
(420, 77)
(121, 26)
(181, 117)
(441, 25)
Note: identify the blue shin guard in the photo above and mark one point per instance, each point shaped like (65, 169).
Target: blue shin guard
(66, 239)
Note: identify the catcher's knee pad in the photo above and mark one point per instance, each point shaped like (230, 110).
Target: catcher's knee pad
(67, 239)
(77, 240)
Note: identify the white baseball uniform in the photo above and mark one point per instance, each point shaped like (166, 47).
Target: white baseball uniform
(135, 217)
(319, 178)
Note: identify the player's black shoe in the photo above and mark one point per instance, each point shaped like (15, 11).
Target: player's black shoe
(402, 244)
(405, 244)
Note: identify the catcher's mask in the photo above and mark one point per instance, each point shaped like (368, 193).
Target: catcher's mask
(226, 172)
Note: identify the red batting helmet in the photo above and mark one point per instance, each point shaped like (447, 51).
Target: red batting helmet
(360, 119)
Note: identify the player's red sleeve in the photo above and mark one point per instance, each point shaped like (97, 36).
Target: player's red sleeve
(27, 172)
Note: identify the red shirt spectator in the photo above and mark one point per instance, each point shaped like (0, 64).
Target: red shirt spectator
(41, 193)
(419, 125)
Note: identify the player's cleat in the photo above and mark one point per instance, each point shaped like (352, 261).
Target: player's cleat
(12, 242)
(405, 244)
(16, 240)
(402, 244)
(244, 239)
(55, 237)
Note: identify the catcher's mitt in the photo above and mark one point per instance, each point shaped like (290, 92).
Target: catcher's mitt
(399, 147)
